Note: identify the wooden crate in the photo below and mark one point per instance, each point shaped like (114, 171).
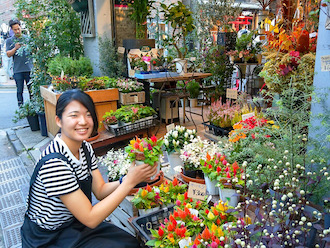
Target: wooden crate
(104, 100)
(132, 98)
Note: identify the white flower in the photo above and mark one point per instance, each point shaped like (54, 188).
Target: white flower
(175, 134)
(166, 142)
(186, 135)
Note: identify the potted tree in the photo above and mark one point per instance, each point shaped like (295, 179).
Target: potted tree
(193, 88)
(181, 21)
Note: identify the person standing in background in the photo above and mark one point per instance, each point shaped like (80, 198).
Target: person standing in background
(22, 63)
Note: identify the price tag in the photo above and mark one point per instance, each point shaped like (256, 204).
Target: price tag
(170, 127)
(136, 99)
(231, 94)
(197, 191)
(121, 50)
(192, 59)
(131, 73)
(247, 116)
(325, 63)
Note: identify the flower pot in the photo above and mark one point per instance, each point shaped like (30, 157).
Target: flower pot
(193, 102)
(92, 138)
(139, 162)
(174, 160)
(42, 124)
(33, 122)
(188, 179)
(186, 103)
(181, 66)
(189, 173)
(211, 187)
(229, 195)
(143, 212)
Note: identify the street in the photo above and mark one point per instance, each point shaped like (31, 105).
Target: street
(8, 105)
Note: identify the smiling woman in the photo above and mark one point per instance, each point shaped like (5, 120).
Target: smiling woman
(60, 212)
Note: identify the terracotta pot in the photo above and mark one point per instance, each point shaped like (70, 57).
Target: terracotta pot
(157, 182)
(93, 138)
(190, 179)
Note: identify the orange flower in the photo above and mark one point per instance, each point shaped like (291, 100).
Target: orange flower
(148, 188)
(206, 235)
(208, 157)
(175, 182)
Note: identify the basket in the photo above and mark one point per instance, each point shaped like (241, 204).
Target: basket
(217, 131)
(132, 127)
(150, 221)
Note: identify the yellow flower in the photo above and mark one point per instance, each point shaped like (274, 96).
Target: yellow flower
(222, 206)
(275, 126)
(144, 193)
(247, 220)
(188, 205)
(270, 122)
(210, 215)
(166, 189)
(132, 142)
(214, 228)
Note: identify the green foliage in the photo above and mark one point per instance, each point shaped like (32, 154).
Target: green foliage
(217, 62)
(109, 62)
(132, 113)
(140, 10)
(180, 18)
(25, 110)
(193, 88)
(54, 27)
(70, 67)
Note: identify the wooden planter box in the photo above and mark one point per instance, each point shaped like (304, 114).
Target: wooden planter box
(104, 100)
(132, 98)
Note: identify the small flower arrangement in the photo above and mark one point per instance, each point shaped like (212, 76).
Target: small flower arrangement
(252, 127)
(192, 153)
(146, 198)
(109, 118)
(213, 166)
(129, 85)
(117, 163)
(147, 150)
(231, 176)
(224, 114)
(175, 139)
(170, 190)
(132, 113)
(180, 227)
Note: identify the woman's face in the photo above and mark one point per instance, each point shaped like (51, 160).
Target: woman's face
(76, 123)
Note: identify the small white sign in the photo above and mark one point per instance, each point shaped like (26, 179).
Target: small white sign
(197, 191)
(325, 63)
(231, 94)
(131, 73)
(247, 116)
(192, 59)
(121, 49)
(170, 127)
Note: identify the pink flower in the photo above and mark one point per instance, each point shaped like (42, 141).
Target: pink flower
(146, 58)
(115, 161)
(135, 110)
(149, 147)
(178, 202)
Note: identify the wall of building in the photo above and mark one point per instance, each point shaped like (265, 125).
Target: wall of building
(7, 11)
(103, 28)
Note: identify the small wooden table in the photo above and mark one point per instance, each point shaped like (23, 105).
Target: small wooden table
(163, 80)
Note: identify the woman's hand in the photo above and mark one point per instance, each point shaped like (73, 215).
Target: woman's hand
(140, 173)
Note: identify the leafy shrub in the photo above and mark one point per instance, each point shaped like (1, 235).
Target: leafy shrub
(70, 67)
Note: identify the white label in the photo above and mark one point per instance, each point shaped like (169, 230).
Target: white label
(197, 191)
(121, 49)
(193, 59)
(231, 94)
(247, 116)
(325, 63)
(170, 127)
(136, 99)
(131, 73)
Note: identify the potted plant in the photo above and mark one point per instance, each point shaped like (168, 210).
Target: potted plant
(191, 155)
(146, 200)
(193, 88)
(28, 110)
(223, 116)
(145, 151)
(180, 18)
(130, 91)
(169, 191)
(174, 140)
(117, 163)
(109, 120)
(212, 168)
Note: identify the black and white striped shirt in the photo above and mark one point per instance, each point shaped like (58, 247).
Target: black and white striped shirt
(56, 178)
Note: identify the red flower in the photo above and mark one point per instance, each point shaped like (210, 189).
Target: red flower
(149, 147)
(218, 170)
(154, 139)
(160, 232)
(175, 182)
(148, 188)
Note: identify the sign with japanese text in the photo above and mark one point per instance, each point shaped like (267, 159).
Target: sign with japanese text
(325, 63)
(247, 116)
(231, 94)
(197, 191)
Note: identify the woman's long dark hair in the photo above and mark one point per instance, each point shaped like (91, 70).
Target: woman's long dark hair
(83, 98)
